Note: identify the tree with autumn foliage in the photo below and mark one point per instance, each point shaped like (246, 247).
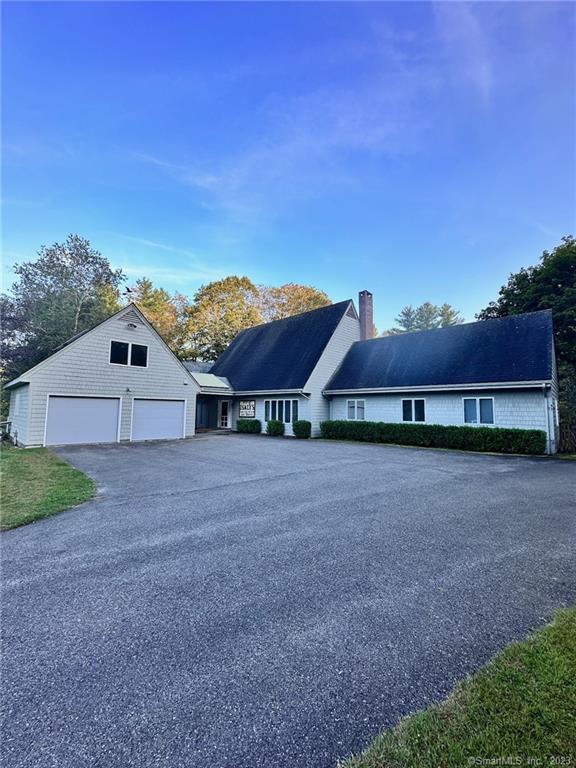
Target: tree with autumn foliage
(290, 299)
(168, 314)
(220, 310)
(225, 307)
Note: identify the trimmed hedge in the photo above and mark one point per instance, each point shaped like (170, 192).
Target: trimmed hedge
(494, 439)
(275, 428)
(252, 426)
(302, 429)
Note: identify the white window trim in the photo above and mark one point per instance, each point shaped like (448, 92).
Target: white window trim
(17, 404)
(411, 400)
(355, 418)
(284, 400)
(129, 364)
(479, 423)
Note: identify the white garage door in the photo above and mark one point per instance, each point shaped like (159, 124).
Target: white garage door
(82, 420)
(157, 419)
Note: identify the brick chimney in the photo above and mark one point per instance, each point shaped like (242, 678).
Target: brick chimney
(366, 315)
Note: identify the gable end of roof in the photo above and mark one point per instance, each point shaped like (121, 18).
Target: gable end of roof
(282, 354)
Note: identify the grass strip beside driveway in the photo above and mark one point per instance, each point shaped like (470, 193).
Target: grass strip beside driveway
(35, 483)
(522, 705)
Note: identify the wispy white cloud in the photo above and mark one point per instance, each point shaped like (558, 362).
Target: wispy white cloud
(36, 150)
(466, 43)
(304, 142)
(321, 138)
(172, 275)
(21, 202)
(191, 268)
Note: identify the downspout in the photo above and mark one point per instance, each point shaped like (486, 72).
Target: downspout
(549, 439)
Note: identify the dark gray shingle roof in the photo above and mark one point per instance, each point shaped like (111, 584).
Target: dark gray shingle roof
(509, 349)
(281, 354)
(198, 366)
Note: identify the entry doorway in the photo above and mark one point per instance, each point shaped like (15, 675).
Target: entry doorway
(224, 414)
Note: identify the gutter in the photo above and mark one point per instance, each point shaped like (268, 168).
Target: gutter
(441, 387)
(263, 392)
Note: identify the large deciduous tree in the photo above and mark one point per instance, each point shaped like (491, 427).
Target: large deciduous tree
(290, 299)
(425, 317)
(168, 314)
(70, 287)
(220, 310)
(224, 308)
(550, 284)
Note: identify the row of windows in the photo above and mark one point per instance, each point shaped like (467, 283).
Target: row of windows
(477, 410)
(281, 410)
(127, 353)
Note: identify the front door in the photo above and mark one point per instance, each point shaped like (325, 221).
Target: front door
(224, 414)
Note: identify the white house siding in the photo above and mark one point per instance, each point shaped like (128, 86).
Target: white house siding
(19, 421)
(346, 333)
(512, 409)
(313, 407)
(83, 368)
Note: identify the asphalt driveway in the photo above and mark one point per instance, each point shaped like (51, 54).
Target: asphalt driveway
(248, 602)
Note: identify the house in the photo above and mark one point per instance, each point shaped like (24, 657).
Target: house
(117, 381)
(278, 370)
(499, 372)
(120, 381)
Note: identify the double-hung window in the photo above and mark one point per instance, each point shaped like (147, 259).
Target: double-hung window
(479, 410)
(414, 410)
(281, 410)
(127, 353)
(355, 410)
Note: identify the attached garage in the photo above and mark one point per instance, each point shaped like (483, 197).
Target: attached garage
(154, 419)
(116, 382)
(82, 420)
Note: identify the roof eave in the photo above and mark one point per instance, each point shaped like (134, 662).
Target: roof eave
(258, 392)
(442, 387)
(15, 383)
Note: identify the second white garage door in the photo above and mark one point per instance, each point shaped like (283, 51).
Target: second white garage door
(158, 419)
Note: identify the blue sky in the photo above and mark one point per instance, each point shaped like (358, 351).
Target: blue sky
(420, 150)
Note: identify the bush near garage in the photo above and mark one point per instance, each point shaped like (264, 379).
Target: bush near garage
(249, 426)
(493, 439)
(275, 428)
(302, 429)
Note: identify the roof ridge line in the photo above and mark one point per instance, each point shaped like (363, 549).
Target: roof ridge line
(456, 325)
(299, 314)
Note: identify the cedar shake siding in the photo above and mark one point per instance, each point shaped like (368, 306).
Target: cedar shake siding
(82, 367)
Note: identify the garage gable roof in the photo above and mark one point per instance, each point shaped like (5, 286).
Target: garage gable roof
(279, 355)
(516, 348)
(130, 313)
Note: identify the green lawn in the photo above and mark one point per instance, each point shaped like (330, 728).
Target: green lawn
(35, 483)
(520, 705)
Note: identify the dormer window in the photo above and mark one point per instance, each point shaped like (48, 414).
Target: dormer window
(127, 353)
